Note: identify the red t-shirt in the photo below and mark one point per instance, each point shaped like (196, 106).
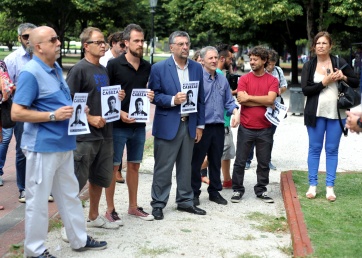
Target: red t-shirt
(253, 117)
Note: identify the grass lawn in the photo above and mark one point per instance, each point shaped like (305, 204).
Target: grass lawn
(335, 229)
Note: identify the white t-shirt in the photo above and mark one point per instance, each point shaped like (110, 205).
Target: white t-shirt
(327, 101)
(107, 56)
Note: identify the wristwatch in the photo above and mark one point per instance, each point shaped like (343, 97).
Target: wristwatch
(52, 116)
(359, 122)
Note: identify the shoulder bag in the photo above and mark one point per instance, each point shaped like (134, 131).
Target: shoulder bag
(348, 97)
(6, 114)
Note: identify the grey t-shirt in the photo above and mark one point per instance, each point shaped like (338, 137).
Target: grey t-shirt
(88, 78)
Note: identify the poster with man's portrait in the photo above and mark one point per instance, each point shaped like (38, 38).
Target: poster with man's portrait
(78, 123)
(276, 115)
(139, 106)
(111, 105)
(191, 89)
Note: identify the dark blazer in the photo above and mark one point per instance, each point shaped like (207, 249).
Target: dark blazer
(312, 90)
(165, 83)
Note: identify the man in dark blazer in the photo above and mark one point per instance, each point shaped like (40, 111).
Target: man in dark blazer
(175, 133)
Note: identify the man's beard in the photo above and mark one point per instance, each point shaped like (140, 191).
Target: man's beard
(226, 67)
(136, 54)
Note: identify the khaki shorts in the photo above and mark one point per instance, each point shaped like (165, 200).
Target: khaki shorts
(229, 147)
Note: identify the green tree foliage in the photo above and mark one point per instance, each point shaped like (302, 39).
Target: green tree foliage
(8, 33)
(275, 22)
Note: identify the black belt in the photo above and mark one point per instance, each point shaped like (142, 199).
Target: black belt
(184, 118)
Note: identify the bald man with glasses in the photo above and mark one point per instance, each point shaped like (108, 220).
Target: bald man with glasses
(48, 148)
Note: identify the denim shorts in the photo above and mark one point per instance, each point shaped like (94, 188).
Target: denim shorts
(134, 139)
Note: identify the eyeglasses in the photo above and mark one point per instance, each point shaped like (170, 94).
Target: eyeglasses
(181, 44)
(122, 45)
(97, 42)
(25, 36)
(52, 40)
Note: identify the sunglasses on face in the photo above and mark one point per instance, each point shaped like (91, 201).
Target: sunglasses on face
(122, 45)
(52, 40)
(25, 36)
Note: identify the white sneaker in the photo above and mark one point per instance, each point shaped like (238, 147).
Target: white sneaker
(64, 235)
(101, 222)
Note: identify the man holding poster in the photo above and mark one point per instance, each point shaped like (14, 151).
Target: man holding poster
(131, 71)
(175, 133)
(93, 156)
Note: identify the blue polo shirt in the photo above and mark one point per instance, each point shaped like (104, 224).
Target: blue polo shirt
(44, 89)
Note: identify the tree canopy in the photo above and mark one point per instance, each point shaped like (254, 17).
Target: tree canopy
(277, 23)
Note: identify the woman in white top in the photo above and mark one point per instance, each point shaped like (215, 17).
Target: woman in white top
(320, 78)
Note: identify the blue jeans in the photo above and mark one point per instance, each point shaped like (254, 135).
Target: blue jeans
(20, 161)
(331, 130)
(4, 145)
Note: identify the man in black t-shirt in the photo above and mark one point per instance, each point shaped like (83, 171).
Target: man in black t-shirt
(131, 72)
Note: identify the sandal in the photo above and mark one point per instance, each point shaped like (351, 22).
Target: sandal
(330, 194)
(1, 208)
(312, 192)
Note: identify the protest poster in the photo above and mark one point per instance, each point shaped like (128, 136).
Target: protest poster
(111, 105)
(78, 123)
(191, 89)
(139, 106)
(276, 115)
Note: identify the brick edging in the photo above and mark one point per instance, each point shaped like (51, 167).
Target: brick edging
(301, 243)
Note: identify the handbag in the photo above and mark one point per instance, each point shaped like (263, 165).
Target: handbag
(347, 98)
(6, 114)
(233, 80)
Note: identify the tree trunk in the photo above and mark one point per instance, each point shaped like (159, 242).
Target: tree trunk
(310, 21)
(294, 58)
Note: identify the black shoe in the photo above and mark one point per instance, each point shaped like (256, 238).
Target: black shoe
(45, 254)
(236, 197)
(92, 244)
(192, 209)
(22, 197)
(196, 201)
(265, 198)
(157, 213)
(218, 199)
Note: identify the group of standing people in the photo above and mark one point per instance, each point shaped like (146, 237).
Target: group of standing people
(60, 165)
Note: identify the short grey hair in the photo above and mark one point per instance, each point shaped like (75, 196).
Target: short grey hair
(24, 26)
(177, 33)
(204, 50)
